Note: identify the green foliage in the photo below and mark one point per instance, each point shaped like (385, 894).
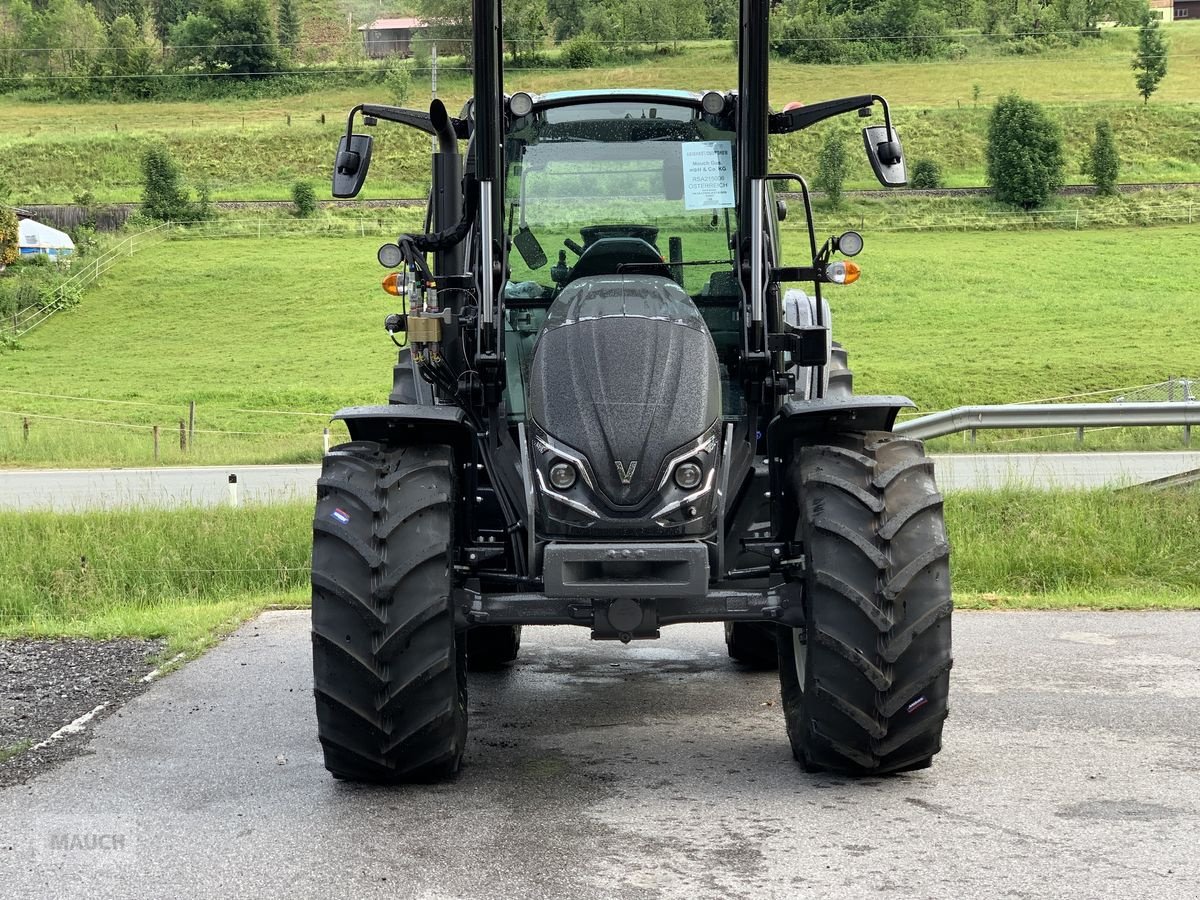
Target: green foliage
(126, 53)
(884, 30)
(526, 26)
(198, 555)
(1150, 60)
(398, 80)
(289, 24)
(234, 36)
(582, 52)
(8, 236)
(1104, 164)
(304, 199)
(1024, 153)
(163, 195)
(831, 167)
(1024, 542)
(449, 25)
(168, 14)
(926, 174)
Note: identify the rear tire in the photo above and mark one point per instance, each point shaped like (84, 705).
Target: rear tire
(752, 644)
(389, 670)
(492, 646)
(865, 683)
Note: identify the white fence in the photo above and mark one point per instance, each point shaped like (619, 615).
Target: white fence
(25, 320)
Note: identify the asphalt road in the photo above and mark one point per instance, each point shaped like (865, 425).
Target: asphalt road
(66, 489)
(657, 770)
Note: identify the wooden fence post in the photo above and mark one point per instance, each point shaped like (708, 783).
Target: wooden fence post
(25, 428)
(192, 423)
(156, 443)
(182, 437)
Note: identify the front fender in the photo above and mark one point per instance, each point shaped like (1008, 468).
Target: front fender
(405, 424)
(801, 422)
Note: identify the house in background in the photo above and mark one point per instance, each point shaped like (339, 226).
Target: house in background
(1187, 9)
(390, 37)
(1161, 9)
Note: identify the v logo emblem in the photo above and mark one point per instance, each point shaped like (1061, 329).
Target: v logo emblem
(626, 475)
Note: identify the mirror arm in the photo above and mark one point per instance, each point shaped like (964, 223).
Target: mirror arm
(887, 112)
(350, 123)
(413, 118)
(806, 116)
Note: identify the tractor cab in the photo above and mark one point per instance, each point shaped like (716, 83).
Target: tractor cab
(629, 199)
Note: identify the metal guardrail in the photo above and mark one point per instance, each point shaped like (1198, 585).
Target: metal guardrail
(1051, 415)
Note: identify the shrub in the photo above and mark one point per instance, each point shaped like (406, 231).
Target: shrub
(163, 194)
(582, 52)
(203, 209)
(398, 81)
(304, 199)
(831, 167)
(1104, 164)
(9, 236)
(1024, 153)
(926, 175)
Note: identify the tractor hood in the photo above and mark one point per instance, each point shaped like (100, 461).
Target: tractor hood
(625, 373)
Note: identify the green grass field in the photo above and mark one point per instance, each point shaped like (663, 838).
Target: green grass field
(188, 575)
(50, 152)
(260, 330)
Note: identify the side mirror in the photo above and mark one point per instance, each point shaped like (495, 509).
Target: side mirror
(886, 155)
(529, 247)
(351, 164)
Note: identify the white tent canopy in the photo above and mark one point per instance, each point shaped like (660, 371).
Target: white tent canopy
(38, 238)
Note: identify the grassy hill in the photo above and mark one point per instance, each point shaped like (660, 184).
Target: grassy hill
(258, 329)
(246, 149)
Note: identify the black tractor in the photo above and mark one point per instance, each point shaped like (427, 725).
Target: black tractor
(610, 410)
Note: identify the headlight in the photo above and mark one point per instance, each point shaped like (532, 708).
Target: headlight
(562, 475)
(688, 475)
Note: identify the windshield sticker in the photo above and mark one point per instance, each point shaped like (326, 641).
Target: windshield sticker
(708, 175)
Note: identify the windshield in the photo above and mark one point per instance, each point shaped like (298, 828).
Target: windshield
(613, 187)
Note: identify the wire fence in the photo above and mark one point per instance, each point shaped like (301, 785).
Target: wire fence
(66, 293)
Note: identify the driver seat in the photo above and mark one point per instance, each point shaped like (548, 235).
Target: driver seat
(607, 256)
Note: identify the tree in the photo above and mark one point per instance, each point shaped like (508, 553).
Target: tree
(831, 167)
(233, 36)
(1104, 163)
(449, 24)
(289, 24)
(526, 24)
(682, 19)
(1150, 60)
(168, 14)
(163, 195)
(126, 52)
(1024, 153)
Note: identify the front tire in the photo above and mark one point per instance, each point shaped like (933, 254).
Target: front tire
(865, 682)
(389, 670)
